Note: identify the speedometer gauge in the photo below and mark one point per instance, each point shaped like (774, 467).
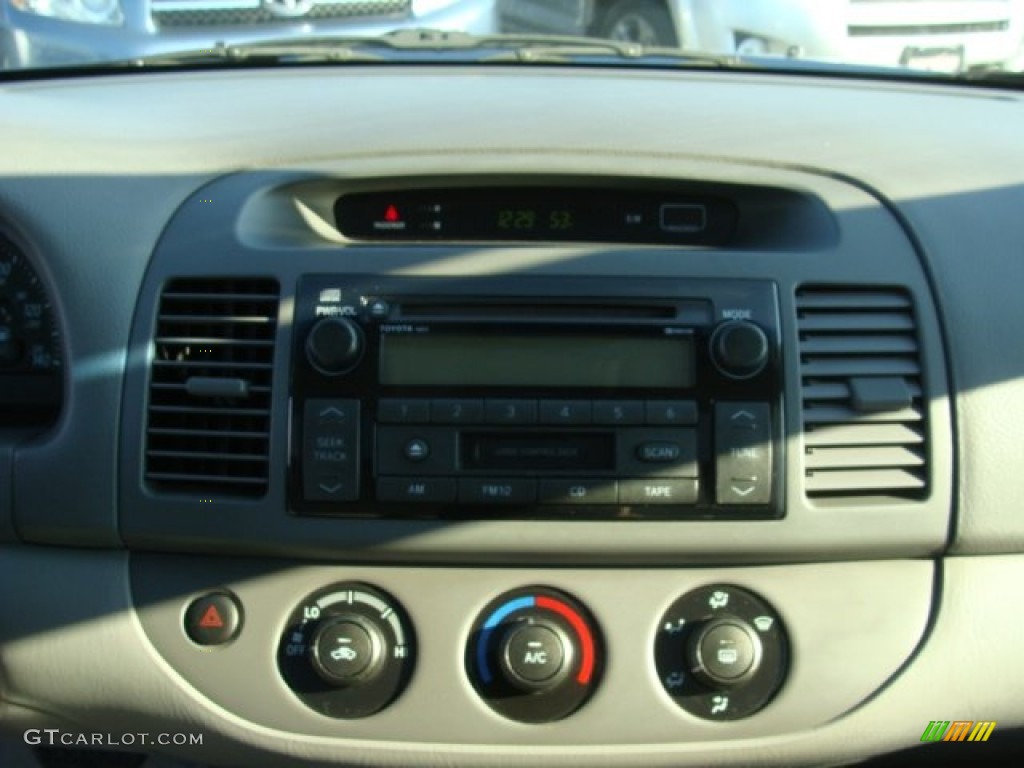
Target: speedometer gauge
(30, 348)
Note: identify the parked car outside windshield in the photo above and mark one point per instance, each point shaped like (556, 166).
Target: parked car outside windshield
(943, 36)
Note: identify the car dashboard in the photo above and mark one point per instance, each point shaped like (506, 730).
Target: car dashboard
(482, 415)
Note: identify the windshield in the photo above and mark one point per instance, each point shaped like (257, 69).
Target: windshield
(944, 37)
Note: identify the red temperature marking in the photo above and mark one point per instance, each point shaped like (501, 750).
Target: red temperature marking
(582, 631)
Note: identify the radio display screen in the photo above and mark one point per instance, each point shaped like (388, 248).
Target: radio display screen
(479, 360)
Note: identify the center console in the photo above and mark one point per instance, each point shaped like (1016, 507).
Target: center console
(416, 459)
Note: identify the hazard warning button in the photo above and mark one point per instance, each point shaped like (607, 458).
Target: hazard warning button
(213, 619)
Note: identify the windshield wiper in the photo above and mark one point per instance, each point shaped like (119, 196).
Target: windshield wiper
(425, 45)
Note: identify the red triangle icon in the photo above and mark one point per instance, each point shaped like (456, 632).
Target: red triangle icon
(211, 619)
(391, 214)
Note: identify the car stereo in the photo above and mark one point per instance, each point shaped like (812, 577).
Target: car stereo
(536, 397)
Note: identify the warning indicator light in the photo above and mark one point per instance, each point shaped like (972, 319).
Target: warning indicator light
(391, 214)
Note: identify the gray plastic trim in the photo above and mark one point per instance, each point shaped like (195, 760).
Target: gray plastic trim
(884, 605)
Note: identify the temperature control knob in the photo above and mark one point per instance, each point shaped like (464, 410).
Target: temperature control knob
(348, 650)
(739, 349)
(334, 345)
(534, 655)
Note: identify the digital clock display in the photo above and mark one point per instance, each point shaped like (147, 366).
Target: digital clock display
(536, 214)
(532, 220)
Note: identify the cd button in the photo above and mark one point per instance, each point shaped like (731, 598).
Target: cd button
(510, 411)
(503, 491)
(625, 412)
(393, 411)
(672, 412)
(457, 411)
(569, 491)
(676, 491)
(564, 412)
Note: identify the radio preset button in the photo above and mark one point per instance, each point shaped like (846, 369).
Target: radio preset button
(573, 491)
(392, 411)
(510, 411)
(457, 411)
(624, 412)
(424, 490)
(675, 491)
(565, 412)
(503, 491)
(679, 413)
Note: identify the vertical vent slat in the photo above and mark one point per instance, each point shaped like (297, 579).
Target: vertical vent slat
(863, 404)
(212, 436)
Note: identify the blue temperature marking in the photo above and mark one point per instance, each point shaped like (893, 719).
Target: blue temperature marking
(488, 628)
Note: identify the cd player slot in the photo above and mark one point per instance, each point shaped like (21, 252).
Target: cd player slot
(535, 311)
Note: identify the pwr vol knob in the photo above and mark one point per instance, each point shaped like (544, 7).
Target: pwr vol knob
(534, 655)
(348, 650)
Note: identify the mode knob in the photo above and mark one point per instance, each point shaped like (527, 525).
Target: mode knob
(725, 652)
(739, 349)
(721, 652)
(334, 345)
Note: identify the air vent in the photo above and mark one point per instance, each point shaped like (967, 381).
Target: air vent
(208, 429)
(863, 404)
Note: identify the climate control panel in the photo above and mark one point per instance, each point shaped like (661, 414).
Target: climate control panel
(533, 654)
